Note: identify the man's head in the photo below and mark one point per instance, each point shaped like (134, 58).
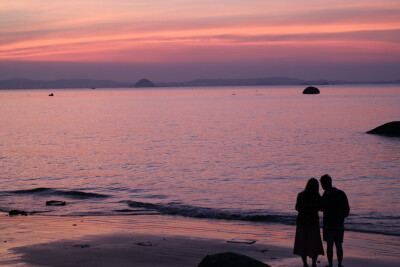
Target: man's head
(326, 182)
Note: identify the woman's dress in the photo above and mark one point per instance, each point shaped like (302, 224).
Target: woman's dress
(308, 237)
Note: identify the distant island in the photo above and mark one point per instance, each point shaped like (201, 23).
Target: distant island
(61, 84)
(87, 83)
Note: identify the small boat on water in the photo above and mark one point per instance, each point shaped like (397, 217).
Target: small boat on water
(51, 94)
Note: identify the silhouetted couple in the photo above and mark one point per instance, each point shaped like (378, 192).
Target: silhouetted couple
(335, 206)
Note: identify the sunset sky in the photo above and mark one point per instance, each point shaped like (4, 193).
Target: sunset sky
(179, 40)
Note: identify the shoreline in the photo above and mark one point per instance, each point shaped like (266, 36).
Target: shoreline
(160, 240)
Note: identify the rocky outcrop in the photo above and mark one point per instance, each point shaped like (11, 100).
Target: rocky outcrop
(388, 129)
(230, 259)
(311, 90)
(17, 212)
(55, 203)
(144, 83)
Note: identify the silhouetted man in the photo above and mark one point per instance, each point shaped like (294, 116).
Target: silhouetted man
(336, 207)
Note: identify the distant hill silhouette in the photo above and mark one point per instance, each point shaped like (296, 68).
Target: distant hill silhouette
(236, 82)
(87, 83)
(264, 81)
(65, 83)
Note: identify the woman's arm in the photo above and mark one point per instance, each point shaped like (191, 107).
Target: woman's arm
(300, 202)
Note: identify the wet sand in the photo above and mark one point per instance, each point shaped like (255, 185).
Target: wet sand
(153, 240)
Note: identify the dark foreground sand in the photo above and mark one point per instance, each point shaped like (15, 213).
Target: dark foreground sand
(164, 241)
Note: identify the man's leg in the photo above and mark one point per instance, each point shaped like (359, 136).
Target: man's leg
(339, 252)
(314, 261)
(329, 252)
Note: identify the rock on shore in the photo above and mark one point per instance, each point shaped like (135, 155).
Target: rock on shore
(230, 259)
(17, 212)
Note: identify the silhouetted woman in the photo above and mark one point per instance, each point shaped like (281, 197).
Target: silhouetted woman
(308, 237)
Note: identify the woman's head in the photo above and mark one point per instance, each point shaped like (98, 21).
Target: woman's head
(312, 186)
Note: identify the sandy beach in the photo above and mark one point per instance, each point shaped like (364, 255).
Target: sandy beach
(153, 240)
(157, 133)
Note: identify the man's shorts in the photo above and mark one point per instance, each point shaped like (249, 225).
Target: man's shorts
(333, 233)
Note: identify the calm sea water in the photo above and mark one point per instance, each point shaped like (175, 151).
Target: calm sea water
(235, 153)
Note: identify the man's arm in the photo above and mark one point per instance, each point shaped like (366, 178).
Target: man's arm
(346, 206)
(322, 202)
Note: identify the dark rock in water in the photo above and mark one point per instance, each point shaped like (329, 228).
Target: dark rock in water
(55, 203)
(230, 259)
(146, 244)
(311, 90)
(144, 83)
(389, 129)
(17, 212)
(82, 246)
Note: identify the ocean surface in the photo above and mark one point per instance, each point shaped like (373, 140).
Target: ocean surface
(231, 153)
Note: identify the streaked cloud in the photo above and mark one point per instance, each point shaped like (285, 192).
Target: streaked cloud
(199, 31)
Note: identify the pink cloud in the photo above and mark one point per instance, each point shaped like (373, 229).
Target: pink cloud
(198, 32)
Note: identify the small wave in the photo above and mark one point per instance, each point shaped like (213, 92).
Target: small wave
(79, 194)
(54, 192)
(32, 191)
(372, 230)
(210, 213)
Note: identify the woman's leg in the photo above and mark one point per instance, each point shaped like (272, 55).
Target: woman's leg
(304, 258)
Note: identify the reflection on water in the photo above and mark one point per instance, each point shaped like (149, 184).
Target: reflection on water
(248, 150)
